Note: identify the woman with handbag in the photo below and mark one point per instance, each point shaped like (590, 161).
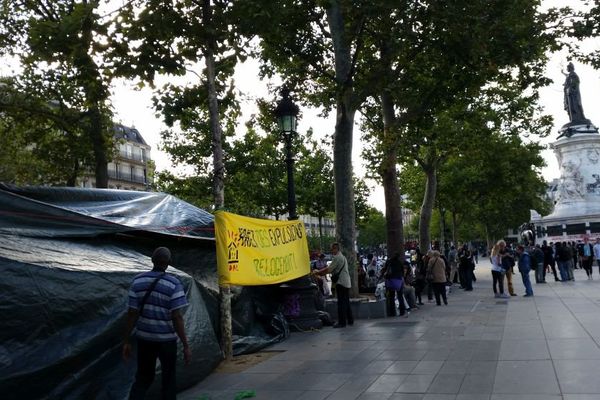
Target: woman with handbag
(436, 274)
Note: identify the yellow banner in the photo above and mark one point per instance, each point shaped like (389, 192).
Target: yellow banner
(254, 251)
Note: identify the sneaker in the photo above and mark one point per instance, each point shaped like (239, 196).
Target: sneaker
(496, 295)
(527, 295)
(504, 296)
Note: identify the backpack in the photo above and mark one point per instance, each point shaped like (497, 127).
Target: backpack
(508, 261)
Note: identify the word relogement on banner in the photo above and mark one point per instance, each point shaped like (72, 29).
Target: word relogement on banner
(254, 251)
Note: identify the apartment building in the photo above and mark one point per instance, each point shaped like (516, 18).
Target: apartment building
(130, 168)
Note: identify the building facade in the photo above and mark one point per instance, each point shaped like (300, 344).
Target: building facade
(131, 167)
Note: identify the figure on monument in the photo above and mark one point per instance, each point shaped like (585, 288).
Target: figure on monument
(573, 104)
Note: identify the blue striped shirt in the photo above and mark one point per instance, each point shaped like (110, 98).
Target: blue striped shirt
(155, 323)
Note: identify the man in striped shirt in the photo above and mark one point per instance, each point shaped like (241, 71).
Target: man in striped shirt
(155, 301)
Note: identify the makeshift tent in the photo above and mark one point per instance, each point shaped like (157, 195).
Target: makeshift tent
(67, 258)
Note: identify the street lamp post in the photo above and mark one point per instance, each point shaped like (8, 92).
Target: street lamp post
(299, 294)
(287, 117)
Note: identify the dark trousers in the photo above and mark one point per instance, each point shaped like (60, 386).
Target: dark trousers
(461, 276)
(439, 289)
(390, 297)
(419, 287)
(147, 353)
(552, 265)
(344, 310)
(498, 279)
(587, 265)
(468, 276)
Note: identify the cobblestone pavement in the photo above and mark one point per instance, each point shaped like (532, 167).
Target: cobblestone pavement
(477, 347)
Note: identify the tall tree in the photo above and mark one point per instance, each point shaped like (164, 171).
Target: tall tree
(315, 47)
(315, 189)
(73, 37)
(444, 60)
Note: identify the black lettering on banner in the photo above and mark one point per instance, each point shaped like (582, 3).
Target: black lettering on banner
(275, 266)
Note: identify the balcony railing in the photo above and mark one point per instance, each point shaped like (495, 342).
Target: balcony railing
(126, 176)
(133, 156)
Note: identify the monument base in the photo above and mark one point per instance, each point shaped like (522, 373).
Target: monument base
(577, 208)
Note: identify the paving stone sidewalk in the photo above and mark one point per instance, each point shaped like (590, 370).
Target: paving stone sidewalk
(476, 348)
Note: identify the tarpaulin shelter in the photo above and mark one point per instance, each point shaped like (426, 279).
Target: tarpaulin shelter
(67, 258)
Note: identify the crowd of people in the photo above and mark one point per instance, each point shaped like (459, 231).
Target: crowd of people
(405, 280)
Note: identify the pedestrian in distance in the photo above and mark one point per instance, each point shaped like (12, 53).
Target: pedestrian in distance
(563, 258)
(508, 262)
(340, 277)
(537, 263)
(524, 269)
(586, 254)
(466, 267)
(436, 273)
(453, 260)
(155, 302)
(393, 272)
(498, 272)
(597, 253)
(549, 259)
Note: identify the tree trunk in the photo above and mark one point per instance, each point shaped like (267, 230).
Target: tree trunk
(389, 175)
(215, 128)
(100, 144)
(427, 208)
(442, 227)
(454, 228)
(345, 216)
(320, 233)
(218, 174)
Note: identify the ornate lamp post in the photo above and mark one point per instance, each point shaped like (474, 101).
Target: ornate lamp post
(299, 294)
(287, 117)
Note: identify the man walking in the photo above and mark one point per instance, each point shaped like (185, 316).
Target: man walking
(465, 267)
(524, 269)
(453, 260)
(155, 301)
(340, 276)
(585, 257)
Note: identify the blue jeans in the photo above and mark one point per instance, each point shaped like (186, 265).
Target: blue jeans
(527, 282)
(563, 267)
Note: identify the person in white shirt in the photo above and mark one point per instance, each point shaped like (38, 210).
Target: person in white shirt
(498, 271)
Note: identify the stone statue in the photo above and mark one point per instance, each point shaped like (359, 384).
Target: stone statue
(573, 104)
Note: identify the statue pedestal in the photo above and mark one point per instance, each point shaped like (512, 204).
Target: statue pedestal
(577, 203)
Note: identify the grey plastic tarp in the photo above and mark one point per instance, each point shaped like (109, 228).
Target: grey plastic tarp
(67, 258)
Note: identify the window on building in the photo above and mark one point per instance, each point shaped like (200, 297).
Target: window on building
(554, 230)
(129, 151)
(594, 227)
(576, 229)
